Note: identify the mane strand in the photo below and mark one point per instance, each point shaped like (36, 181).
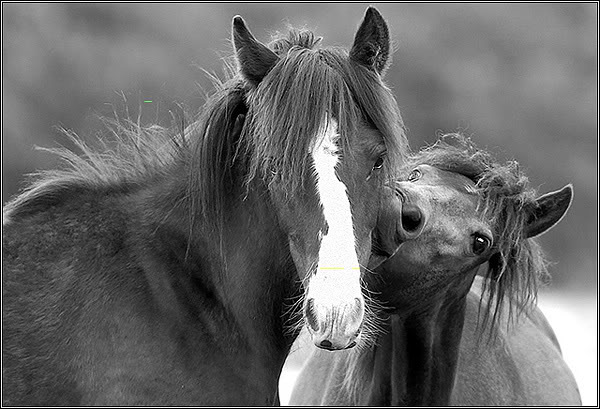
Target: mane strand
(122, 158)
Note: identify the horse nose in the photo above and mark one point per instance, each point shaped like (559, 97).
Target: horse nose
(329, 330)
(412, 221)
(328, 345)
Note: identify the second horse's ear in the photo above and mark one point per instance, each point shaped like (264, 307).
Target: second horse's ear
(548, 210)
(371, 46)
(255, 59)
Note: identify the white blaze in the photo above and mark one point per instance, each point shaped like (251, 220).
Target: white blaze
(338, 273)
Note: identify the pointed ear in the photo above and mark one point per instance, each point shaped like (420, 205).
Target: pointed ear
(371, 46)
(255, 59)
(238, 125)
(548, 210)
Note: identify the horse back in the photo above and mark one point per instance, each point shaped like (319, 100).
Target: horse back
(520, 364)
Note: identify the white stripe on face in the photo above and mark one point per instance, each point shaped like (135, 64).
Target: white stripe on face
(337, 255)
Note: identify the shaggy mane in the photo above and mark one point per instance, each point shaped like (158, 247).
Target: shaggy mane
(125, 155)
(283, 116)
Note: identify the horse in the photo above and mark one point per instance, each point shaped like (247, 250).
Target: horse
(175, 267)
(459, 325)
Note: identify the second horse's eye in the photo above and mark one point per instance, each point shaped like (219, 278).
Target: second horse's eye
(378, 163)
(480, 244)
(414, 175)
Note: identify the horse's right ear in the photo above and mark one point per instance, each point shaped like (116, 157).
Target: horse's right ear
(371, 46)
(548, 210)
(254, 58)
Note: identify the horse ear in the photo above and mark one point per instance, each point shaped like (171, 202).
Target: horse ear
(238, 125)
(548, 210)
(254, 58)
(371, 46)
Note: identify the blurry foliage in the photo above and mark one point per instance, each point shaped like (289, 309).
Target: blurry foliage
(521, 79)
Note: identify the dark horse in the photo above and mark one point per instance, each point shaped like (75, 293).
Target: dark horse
(168, 269)
(463, 211)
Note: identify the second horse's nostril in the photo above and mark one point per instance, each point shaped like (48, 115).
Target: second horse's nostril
(309, 312)
(411, 218)
(326, 344)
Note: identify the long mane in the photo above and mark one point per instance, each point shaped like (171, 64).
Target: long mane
(518, 267)
(126, 154)
(283, 116)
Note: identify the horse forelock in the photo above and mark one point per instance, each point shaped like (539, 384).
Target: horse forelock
(518, 266)
(295, 38)
(290, 107)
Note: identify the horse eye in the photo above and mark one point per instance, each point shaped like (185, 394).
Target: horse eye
(414, 175)
(480, 244)
(378, 163)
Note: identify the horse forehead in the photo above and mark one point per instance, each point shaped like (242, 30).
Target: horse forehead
(451, 189)
(450, 179)
(451, 183)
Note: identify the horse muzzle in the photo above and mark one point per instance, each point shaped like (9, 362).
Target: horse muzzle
(334, 324)
(399, 220)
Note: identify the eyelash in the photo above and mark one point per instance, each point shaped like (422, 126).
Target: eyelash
(378, 163)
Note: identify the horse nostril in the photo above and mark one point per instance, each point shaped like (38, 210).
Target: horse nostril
(309, 312)
(326, 344)
(357, 305)
(411, 218)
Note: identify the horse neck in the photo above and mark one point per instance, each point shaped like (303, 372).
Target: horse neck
(418, 355)
(258, 275)
(236, 284)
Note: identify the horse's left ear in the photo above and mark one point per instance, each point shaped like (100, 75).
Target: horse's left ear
(255, 59)
(548, 210)
(371, 46)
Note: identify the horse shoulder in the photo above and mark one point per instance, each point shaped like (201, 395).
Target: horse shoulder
(518, 365)
(99, 308)
(546, 378)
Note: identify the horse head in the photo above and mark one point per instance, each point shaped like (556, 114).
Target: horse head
(454, 211)
(323, 131)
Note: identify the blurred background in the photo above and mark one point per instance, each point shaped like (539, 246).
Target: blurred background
(520, 79)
